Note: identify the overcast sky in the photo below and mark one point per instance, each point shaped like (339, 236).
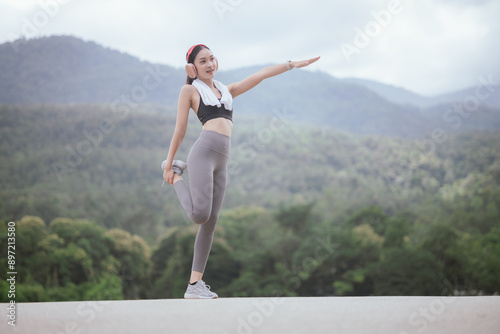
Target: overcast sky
(427, 46)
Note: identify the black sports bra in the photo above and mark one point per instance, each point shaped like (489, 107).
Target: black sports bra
(206, 113)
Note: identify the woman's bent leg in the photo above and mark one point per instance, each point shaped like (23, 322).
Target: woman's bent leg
(197, 198)
(194, 199)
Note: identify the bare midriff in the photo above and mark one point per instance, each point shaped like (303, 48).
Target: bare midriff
(220, 125)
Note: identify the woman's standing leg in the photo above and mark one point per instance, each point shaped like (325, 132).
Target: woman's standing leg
(205, 235)
(203, 199)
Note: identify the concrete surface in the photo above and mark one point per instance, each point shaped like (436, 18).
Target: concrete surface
(387, 315)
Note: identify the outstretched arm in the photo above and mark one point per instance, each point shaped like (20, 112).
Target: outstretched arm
(245, 85)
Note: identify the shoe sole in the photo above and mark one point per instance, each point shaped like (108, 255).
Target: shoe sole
(180, 164)
(197, 297)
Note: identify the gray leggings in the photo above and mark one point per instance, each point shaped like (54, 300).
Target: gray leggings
(202, 200)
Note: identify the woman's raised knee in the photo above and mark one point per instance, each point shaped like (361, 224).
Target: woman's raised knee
(200, 218)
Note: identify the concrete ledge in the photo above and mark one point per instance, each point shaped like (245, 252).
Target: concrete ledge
(311, 315)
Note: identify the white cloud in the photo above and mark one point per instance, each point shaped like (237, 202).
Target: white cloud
(20, 4)
(432, 46)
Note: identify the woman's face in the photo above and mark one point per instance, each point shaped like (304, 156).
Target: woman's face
(205, 64)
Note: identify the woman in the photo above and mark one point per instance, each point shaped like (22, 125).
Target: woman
(207, 160)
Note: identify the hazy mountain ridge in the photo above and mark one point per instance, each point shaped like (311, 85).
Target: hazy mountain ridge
(403, 96)
(65, 69)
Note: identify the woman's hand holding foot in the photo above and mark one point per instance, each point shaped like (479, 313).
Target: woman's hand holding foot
(168, 175)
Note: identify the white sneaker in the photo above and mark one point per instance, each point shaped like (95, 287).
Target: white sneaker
(199, 291)
(178, 166)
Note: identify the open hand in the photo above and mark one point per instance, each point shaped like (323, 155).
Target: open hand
(303, 63)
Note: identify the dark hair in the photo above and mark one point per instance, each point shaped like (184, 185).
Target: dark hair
(192, 57)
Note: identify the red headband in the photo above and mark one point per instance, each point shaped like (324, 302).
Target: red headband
(191, 50)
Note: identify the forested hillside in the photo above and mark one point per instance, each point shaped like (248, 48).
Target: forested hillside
(308, 211)
(90, 162)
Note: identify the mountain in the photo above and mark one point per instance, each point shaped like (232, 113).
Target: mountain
(65, 69)
(392, 93)
(405, 97)
(491, 94)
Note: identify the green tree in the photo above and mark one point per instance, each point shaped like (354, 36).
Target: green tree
(442, 241)
(334, 261)
(296, 217)
(482, 258)
(365, 249)
(30, 261)
(397, 231)
(407, 272)
(134, 263)
(373, 216)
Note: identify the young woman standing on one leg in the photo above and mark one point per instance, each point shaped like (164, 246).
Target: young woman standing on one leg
(207, 160)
